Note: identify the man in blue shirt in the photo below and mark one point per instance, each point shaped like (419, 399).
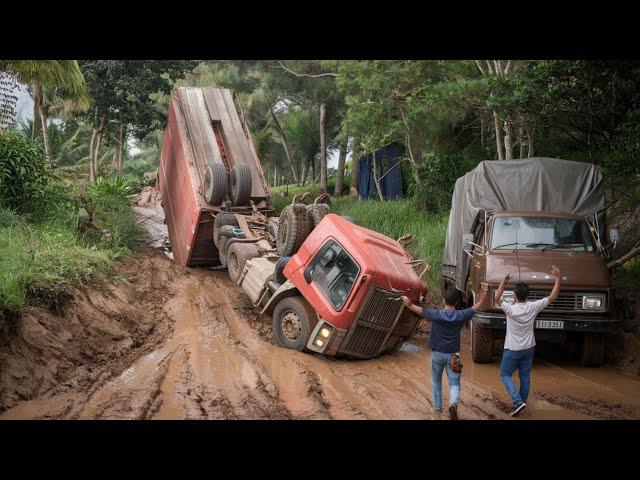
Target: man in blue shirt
(444, 342)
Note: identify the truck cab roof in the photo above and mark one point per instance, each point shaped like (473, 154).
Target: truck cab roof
(537, 213)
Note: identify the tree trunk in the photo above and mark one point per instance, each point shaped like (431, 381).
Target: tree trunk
(95, 150)
(374, 165)
(529, 142)
(323, 151)
(120, 147)
(340, 174)
(521, 142)
(508, 136)
(45, 133)
(481, 132)
(408, 141)
(285, 145)
(305, 171)
(499, 141)
(355, 171)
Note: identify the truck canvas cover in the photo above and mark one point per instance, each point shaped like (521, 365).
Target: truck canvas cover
(548, 184)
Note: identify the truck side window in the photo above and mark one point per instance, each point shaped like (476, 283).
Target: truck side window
(335, 273)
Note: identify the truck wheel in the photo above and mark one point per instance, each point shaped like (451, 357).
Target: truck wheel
(220, 221)
(481, 343)
(272, 226)
(240, 184)
(222, 245)
(216, 183)
(592, 354)
(293, 229)
(278, 273)
(237, 255)
(293, 321)
(316, 212)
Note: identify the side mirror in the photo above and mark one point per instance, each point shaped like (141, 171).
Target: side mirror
(614, 236)
(308, 274)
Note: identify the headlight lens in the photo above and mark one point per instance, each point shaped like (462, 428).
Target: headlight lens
(325, 332)
(319, 342)
(592, 302)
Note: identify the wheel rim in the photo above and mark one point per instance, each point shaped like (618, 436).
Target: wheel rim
(291, 325)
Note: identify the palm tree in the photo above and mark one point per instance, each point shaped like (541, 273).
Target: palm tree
(57, 87)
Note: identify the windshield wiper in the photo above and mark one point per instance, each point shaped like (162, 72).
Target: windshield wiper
(506, 245)
(538, 244)
(560, 245)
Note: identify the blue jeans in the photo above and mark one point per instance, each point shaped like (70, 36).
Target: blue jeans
(439, 362)
(522, 360)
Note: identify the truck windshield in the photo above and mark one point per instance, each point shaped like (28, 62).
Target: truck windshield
(335, 273)
(541, 233)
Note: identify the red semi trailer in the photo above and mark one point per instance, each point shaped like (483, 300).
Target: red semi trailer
(331, 286)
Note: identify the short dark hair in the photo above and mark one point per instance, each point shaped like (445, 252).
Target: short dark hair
(521, 291)
(451, 296)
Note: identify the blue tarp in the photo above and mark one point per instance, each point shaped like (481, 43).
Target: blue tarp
(387, 159)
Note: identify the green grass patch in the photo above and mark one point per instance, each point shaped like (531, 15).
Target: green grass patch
(39, 262)
(393, 219)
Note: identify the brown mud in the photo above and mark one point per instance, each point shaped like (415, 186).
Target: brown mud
(166, 342)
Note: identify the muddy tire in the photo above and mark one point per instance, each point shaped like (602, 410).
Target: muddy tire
(222, 245)
(220, 221)
(481, 343)
(237, 255)
(240, 182)
(272, 226)
(294, 228)
(216, 183)
(317, 212)
(293, 321)
(592, 352)
(278, 273)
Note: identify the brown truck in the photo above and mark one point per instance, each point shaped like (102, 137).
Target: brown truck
(521, 217)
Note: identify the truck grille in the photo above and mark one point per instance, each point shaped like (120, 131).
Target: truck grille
(373, 324)
(566, 301)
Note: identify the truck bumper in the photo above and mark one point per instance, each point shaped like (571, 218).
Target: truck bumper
(571, 323)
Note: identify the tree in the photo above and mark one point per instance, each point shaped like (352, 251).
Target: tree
(57, 86)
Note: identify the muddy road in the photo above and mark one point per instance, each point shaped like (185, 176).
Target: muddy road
(167, 342)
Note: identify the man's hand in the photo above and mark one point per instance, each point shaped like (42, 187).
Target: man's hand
(501, 287)
(406, 301)
(507, 277)
(555, 271)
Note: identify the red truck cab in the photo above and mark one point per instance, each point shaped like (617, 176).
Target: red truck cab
(354, 277)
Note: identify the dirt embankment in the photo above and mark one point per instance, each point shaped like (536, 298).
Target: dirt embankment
(166, 342)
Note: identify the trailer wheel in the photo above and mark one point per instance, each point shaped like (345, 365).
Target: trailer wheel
(278, 273)
(293, 229)
(272, 226)
(592, 354)
(317, 212)
(293, 321)
(237, 255)
(222, 245)
(216, 183)
(240, 184)
(481, 343)
(220, 221)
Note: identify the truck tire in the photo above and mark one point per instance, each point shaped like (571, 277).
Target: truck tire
(222, 245)
(317, 212)
(592, 354)
(240, 184)
(293, 229)
(216, 183)
(237, 255)
(221, 220)
(278, 273)
(293, 322)
(272, 226)
(481, 343)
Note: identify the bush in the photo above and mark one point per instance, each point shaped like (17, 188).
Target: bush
(25, 174)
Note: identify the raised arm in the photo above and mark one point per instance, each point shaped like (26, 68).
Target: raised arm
(555, 271)
(409, 304)
(480, 302)
(501, 287)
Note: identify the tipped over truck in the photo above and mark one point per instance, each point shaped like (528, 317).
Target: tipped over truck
(331, 286)
(521, 217)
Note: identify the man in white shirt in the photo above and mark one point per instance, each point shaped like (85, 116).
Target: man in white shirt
(520, 341)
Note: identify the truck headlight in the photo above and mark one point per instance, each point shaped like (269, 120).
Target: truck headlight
(325, 332)
(320, 337)
(508, 296)
(590, 302)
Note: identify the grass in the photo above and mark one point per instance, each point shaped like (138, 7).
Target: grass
(392, 218)
(42, 260)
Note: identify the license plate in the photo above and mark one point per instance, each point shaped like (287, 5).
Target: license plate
(558, 324)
